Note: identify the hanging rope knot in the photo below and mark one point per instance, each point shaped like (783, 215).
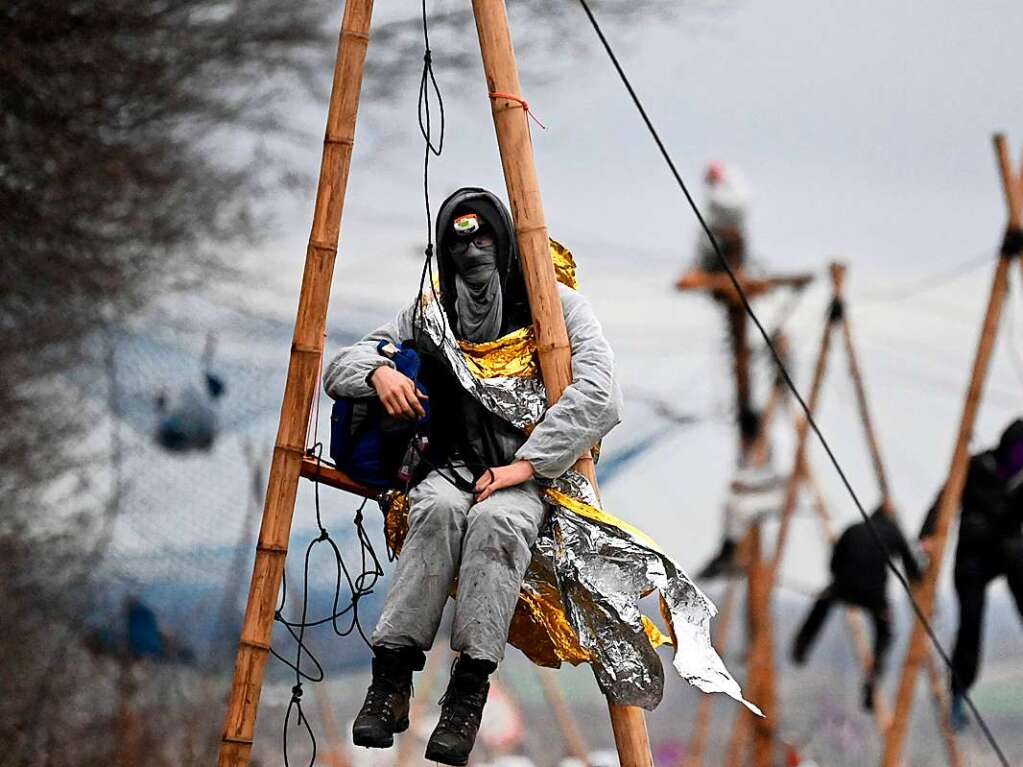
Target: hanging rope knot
(428, 252)
(1012, 245)
(296, 693)
(324, 535)
(428, 57)
(521, 102)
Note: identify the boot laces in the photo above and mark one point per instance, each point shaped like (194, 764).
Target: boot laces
(461, 710)
(379, 702)
(381, 698)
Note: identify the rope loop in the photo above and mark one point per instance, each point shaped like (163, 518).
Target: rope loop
(521, 102)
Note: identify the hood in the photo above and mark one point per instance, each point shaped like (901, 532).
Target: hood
(490, 208)
(1009, 453)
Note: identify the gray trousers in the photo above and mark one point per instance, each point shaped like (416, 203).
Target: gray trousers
(486, 546)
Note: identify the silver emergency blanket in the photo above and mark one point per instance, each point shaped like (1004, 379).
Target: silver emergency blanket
(579, 601)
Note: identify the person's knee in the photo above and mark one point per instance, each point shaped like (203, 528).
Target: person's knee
(436, 507)
(505, 523)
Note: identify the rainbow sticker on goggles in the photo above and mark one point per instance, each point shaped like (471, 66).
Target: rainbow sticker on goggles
(467, 224)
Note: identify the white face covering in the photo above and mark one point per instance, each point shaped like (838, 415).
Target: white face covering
(480, 301)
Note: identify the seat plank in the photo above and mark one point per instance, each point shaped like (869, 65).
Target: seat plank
(328, 475)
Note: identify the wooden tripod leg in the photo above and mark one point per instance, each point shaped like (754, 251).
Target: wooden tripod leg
(511, 123)
(705, 708)
(761, 656)
(302, 384)
(761, 652)
(941, 709)
(572, 736)
(803, 426)
(937, 689)
(863, 406)
(953, 491)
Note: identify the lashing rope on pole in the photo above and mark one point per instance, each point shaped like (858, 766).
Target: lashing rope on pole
(790, 384)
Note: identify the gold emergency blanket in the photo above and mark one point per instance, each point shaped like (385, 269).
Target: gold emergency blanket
(580, 598)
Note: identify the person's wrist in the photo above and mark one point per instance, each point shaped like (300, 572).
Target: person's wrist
(375, 373)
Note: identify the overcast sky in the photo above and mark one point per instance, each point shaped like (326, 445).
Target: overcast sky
(864, 130)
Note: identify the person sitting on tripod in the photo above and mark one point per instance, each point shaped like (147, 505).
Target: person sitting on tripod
(475, 505)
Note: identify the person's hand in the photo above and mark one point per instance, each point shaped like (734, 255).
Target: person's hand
(502, 476)
(398, 393)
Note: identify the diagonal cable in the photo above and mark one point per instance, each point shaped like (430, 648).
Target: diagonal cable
(786, 376)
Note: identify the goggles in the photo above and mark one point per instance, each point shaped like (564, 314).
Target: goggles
(467, 225)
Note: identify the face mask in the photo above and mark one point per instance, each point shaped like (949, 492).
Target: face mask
(479, 300)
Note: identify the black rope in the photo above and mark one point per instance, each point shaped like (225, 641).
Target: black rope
(358, 586)
(428, 83)
(1012, 243)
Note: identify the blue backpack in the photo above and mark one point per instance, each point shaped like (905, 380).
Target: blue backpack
(366, 443)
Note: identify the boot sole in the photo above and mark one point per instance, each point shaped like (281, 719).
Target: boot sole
(434, 755)
(368, 741)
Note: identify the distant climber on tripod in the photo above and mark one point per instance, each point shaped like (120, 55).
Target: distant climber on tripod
(755, 491)
(990, 546)
(727, 205)
(859, 572)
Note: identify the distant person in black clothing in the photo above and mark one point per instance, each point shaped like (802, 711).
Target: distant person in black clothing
(990, 545)
(860, 578)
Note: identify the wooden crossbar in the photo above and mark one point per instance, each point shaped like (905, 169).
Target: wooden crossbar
(328, 475)
(721, 283)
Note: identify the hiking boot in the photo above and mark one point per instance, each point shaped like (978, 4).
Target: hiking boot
(461, 711)
(385, 710)
(723, 565)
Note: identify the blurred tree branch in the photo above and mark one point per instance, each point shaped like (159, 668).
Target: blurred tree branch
(137, 139)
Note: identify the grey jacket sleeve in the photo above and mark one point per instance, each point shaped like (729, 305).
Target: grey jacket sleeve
(589, 408)
(348, 373)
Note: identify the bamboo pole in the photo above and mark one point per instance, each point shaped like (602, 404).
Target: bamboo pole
(302, 383)
(803, 430)
(939, 692)
(572, 736)
(863, 406)
(756, 451)
(553, 349)
(853, 620)
(761, 651)
(750, 554)
(953, 491)
(874, 444)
